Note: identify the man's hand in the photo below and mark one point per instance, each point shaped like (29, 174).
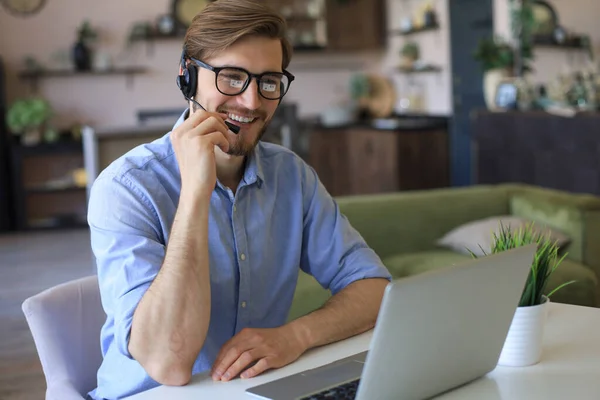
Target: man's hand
(259, 349)
(194, 142)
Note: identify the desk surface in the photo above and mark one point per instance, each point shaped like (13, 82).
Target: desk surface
(570, 367)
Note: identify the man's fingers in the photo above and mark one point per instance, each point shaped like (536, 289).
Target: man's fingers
(194, 119)
(217, 139)
(198, 117)
(244, 360)
(230, 355)
(210, 124)
(261, 366)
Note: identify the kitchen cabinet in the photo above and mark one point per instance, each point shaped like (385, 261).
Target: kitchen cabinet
(359, 159)
(334, 25)
(356, 24)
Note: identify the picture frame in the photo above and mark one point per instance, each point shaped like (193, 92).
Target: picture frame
(507, 94)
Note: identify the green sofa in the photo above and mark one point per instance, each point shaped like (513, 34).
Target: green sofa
(403, 229)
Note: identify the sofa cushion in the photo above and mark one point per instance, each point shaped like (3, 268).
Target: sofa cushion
(582, 292)
(404, 265)
(477, 236)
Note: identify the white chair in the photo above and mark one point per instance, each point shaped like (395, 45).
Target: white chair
(65, 322)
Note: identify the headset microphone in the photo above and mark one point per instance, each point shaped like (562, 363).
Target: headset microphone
(187, 85)
(233, 128)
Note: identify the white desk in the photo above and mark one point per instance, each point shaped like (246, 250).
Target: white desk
(569, 370)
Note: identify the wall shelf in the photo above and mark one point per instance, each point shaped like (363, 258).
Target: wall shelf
(415, 30)
(35, 76)
(50, 189)
(577, 42)
(429, 68)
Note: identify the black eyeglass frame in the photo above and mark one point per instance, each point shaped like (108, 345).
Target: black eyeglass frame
(258, 77)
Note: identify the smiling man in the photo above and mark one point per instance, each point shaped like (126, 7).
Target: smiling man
(199, 236)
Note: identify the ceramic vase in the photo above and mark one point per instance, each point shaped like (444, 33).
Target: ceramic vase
(82, 57)
(524, 342)
(491, 80)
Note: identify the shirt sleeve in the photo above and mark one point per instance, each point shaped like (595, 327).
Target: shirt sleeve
(127, 246)
(333, 252)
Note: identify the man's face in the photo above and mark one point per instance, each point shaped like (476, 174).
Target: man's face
(256, 55)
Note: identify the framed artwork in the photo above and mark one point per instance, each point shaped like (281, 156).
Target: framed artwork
(507, 94)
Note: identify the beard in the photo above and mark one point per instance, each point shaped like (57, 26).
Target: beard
(240, 146)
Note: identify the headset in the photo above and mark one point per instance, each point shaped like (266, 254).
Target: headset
(188, 82)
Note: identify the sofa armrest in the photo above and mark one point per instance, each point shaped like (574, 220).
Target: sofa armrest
(575, 214)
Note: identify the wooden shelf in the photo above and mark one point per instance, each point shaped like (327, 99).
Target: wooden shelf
(35, 76)
(304, 18)
(306, 48)
(50, 189)
(415, 30)
(157, 36)
(66, 73)
(548, 41)
(429, 68)
(60, 147)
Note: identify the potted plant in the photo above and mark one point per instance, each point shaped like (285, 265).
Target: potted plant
(27, 118)
(523, 345)
(410, 53)
(497, 60)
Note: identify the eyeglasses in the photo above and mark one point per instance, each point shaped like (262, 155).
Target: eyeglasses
(232, 81)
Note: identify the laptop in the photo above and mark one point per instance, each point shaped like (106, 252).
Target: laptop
(435, 331)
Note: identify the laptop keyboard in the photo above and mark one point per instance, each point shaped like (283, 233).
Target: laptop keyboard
(341, 392)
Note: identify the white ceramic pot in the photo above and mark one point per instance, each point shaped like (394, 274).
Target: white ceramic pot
(491, 80)
(523, 345)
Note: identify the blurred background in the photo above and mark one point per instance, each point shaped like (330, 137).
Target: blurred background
(390, 95)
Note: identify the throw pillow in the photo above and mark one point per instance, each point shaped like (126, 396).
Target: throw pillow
(472, 235)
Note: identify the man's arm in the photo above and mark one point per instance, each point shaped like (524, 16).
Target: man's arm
(171, 321)
(350, 312)
(160, 299)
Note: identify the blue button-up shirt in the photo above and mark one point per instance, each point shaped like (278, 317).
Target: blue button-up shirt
(281, 219)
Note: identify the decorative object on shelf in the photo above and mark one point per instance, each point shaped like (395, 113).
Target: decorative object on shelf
(506, 94)
(545, 19)
(406, 24)
(184, 11)
(141, 30)
(82, 52)
(410, 53)
(165, 25)
(380, 97)
(28, 118)
(497, 62)
(523, 344)
(23, 8)
(31, 64)
(430, 18)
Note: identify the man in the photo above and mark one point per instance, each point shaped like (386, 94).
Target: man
(200, 235)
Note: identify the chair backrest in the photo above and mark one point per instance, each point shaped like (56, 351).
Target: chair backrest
(65, 322)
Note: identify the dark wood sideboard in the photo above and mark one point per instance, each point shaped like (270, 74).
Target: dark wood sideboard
(361, 159)
(539, 149)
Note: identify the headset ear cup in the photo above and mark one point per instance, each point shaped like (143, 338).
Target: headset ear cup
(191, 82)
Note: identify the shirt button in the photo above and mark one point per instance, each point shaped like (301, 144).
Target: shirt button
(243, 304)
(243, 256)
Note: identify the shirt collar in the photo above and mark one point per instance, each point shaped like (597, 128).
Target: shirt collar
(253, 171)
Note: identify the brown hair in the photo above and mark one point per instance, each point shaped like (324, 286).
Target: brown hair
(223, 22)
